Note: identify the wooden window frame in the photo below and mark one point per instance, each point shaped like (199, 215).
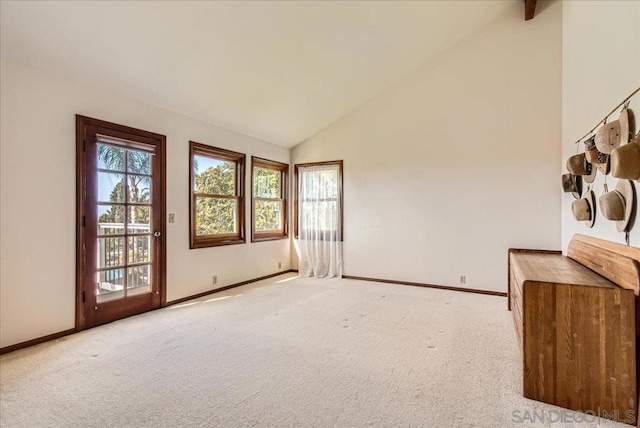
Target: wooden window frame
(283, 168)
(206, 241)
(296, 191)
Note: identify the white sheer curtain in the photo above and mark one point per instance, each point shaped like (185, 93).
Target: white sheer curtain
(319, 243)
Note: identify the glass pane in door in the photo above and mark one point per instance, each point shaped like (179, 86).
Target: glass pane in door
(110, 285)
(138, 279)
(139, 219)
(110, 187)
(110, 252)
(139, 162)
(110, 157)
(110, 219)
(139, 249)
(139, 189)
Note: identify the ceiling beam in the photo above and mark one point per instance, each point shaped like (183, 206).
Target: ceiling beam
(529, 9)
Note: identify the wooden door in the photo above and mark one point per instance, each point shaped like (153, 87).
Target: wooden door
(121, 210)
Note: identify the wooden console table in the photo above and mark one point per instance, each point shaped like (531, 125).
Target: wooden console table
(575, 319)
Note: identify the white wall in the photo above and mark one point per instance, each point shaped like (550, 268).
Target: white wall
(456, 163)
(601, 66)
(37, 229)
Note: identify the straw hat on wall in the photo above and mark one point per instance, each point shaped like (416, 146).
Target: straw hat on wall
(625, 160)
(584, 209)
(613, 134)
(572, 184)
(618, 205)
(578, 165)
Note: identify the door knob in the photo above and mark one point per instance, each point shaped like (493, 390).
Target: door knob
(156, 234)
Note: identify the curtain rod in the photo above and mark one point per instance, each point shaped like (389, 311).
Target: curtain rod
(607, 116)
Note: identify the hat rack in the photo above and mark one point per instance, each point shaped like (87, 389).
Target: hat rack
(625, 188)
(604, 120)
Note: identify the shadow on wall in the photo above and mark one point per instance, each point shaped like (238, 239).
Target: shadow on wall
(543, 6)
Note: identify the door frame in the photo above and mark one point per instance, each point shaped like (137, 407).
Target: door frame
(81, 171)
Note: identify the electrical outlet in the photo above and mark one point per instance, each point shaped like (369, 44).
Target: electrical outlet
(279, 265)
(172, 218)
(463, 279)
(214, 280)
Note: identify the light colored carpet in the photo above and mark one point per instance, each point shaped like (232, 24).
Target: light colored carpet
(288, 352)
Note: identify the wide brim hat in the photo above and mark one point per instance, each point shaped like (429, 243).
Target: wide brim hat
(612, 135)
(572, 184)
(625, 160)
(619, 204)
(580, 166)
(586, 205)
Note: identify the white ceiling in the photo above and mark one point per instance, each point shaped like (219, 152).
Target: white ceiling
(279, 71)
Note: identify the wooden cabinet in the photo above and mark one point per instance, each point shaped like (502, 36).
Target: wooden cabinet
(577, 334)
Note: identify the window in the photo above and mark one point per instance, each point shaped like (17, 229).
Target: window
(217, 196)
(318, 203)
(268, 199)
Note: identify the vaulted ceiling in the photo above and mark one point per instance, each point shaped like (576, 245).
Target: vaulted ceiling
(278, 71)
